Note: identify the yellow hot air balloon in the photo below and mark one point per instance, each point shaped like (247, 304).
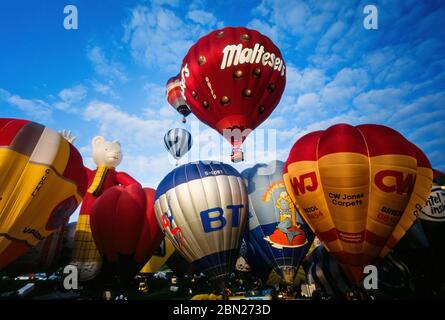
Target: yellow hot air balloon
(159, 258)
(359, 188)
(42, 181)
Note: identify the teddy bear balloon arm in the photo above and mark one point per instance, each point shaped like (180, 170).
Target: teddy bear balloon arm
(125, 179)
(67, 135)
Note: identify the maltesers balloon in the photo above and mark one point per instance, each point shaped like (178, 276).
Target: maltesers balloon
(359, 188)
(233, 79)
(276, 231)
(125, 229)
(202, 209)
(175, 98)
(42, 181)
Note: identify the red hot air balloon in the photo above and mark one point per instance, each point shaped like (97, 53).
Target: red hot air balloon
(359, 188)
(175, 98)
(125, 229)
(233, 79)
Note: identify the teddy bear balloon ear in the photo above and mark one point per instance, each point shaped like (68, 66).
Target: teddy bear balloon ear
(97, 140)
(117, 142)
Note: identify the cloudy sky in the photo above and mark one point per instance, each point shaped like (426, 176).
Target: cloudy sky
(108, 76)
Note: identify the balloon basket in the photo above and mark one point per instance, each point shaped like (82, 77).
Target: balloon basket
(237, 155)
(184, 120)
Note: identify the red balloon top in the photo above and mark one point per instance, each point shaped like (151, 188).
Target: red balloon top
(233, 78)
(367, 139)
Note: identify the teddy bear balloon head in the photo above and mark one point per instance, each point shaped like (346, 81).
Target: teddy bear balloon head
(106, 153)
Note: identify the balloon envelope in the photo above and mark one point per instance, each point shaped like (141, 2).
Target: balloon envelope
(202, 209)
(394, 277)
(174, 96)
(276, 230)
(124, 227)
(42, 258)
(233, 79)
(359, 188)
(42, 181)
(178, 142)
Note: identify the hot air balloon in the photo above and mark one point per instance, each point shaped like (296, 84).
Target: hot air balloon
(432, 219)
(359, 188)
(167, 256)
(233, 79)
(125, 229)
(258, 266)
(69, 232)
(42, 258)
(175, 97)
(276, 230)
(202, 209)
(178, 142)
(42, 181)
(394, 280)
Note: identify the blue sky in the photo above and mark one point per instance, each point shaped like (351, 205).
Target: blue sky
(108, 76)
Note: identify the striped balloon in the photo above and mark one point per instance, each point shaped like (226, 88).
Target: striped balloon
(42, 181)
(202, 209)
(175, 98)
(178, 142)
(359, 188)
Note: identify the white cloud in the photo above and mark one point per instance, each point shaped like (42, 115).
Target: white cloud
(149, 170)
(202, 17)
(341, 90)
(104, 67)
(104, 88)
(74, 94)
(159, 38)
(309, 100)
(36, 109)
(334, 32)
(131, 130)
(269, 30)
(69, 97)
(306, 80)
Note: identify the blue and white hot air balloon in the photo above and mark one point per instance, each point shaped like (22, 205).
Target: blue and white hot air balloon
(277, 233)
(178, 142)
(202, 209)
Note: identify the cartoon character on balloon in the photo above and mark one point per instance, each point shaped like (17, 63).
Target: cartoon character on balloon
(287, 233)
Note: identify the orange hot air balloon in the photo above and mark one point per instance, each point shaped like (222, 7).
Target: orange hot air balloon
(359, 188)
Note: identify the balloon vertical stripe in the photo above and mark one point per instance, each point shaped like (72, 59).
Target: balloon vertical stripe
(359, 188)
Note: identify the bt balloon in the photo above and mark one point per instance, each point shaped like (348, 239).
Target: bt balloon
(178, 142)
(175, 98)
(276, 230)
(359, 188)
(125, 229)
(42, 181)
(233, 79)
(202, 208)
